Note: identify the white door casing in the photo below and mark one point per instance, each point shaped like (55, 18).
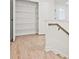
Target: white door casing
(13, 20)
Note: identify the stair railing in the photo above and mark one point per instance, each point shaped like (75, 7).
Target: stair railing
(60, 27)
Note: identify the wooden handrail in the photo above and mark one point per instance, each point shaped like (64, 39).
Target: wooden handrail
(60, 27)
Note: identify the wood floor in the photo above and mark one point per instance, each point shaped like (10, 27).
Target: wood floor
(31, 47)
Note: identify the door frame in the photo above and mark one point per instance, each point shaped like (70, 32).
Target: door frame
(14, 16)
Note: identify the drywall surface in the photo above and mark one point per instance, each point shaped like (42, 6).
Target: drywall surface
(46, 12)
(57, 40)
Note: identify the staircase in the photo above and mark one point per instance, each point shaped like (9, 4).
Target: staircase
(31, 47)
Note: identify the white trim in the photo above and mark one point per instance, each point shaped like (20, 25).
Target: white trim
(13, 20)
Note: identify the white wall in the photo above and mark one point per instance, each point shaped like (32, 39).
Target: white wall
(55, 40)
(46, 12)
